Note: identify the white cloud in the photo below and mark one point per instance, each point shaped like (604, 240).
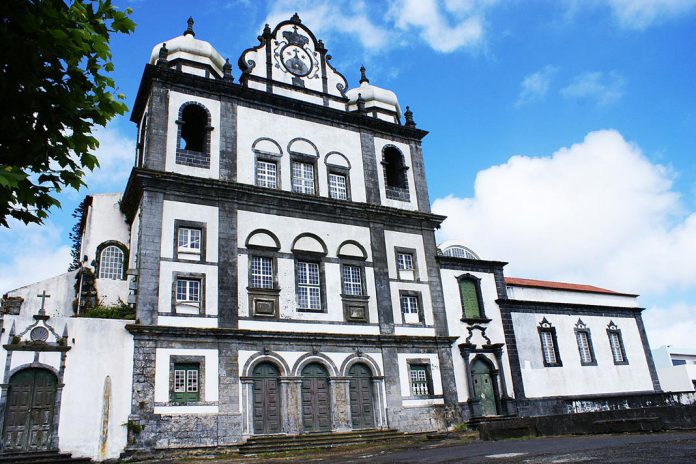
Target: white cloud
(671, 325)
(597, 212)
(640, 14)
(116, 154)
(31, 253)
(602, 89)
(535, 86)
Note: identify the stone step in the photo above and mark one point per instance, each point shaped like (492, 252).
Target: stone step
(41, 457)
(311, 436)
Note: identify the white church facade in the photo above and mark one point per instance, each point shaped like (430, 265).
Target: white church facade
(276, 245)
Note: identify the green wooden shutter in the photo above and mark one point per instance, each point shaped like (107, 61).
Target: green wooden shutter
(186, 383)
(470, 301)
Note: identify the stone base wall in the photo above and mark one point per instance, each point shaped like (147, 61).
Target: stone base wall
(188, 430)
(419, 419)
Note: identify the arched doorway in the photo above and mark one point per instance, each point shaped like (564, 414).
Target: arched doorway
(484, 388)
(316, 406)
(31, 399)
(266, 398)
(362, 412)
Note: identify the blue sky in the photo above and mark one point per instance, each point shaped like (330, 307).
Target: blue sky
(562, 132)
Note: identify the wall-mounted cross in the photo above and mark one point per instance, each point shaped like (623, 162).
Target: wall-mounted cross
(43, 297)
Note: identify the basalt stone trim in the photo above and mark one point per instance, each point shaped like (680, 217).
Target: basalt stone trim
(228, 297)
(648, 353)
(381, 276)
(513, 355)
(218, 89)
(228, 140)
(471, 265)
(149, 244)
(570, 309)
(421, 185)
(157, 127)
(195, 159)
(367, 143)
(257, 198)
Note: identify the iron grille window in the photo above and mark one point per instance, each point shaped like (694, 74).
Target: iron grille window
(409, 304)
(189, 239)
(188, 291)
(261, 272)
(338, 188)
(548, 347)
(186, 383)
(308, 285)
(266, 174)
(420, 386)
(405, 261)
(302, 177)
(111, 263)
(352, 280)
(616, 347)
(583, 339)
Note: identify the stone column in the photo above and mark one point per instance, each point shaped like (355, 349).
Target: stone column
(377, 401)
(291, 404)
(247, 406)
(340, 404)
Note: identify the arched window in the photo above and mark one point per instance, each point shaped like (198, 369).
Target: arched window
(458, 251)
(111, 263)
(193, 141)
(395, 179)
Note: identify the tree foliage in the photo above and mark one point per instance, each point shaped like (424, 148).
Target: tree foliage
(55, 87)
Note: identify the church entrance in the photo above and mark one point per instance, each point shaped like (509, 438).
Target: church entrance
(362, 411)
(316, 409)
(484, 390)
(266, 399)
(29, 410)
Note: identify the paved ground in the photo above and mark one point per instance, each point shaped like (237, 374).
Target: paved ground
(662, 448)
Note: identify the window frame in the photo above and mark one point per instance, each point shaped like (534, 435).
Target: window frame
(338, 171)
(419, 301)
(190, 255)
(178, 360)
(580, 330)
(263, 302)
(612, 329)
(479, 296)
(424, 364)
(545, 326)
(200, 277)
(414, 257)
(313, 258)
(355, 302)
(98, 257)
(310, 161)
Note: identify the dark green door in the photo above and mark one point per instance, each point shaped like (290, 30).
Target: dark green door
(483, 387)
(266, 399)
(29, 412)
(362, 412)
(316, 408)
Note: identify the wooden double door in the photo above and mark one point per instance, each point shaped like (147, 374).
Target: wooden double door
(484, 389)
(266, 399)
(362, 411)
(31, 399)
(316, 399)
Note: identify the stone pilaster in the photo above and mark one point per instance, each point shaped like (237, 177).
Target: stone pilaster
(340, 407)
(291, 399)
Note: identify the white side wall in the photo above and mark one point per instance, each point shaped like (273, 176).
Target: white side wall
(572, 378)
(88, 363)
(565, 296)
(62, 291)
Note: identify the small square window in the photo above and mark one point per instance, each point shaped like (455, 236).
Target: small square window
(302, 177)
(338, 187)
(186, 383)
(261, 272)
(266, 174)
(420, 380)
(189, 240)
(188, 291)
(410, 309)
(405, 261)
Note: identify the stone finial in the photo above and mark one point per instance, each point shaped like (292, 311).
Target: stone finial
(363, 77)
(266, 30)
(408, 116)
(189, 29)
(295, 18)
(227, 71)
(361, 104)
(162, 56)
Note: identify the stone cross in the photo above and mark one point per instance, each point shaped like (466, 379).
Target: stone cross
(43, 297)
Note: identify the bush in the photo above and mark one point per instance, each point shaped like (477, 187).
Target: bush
(120, 310)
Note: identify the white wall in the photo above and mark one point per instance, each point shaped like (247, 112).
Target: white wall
(60, 288)
(254, 124)
(88, 363)
(573, 378)
(551, 295)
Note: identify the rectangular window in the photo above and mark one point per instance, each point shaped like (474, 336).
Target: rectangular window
(186, 383)
(308, 285)
(266, 174)
(352, 280)
(189, 240)
(338, 187)
(548, 347)
(420, 386)
(583, 339)
(261, 272)
(615, 343)
(409, 304)
(302, 177)
(405, 261)
(188, 291)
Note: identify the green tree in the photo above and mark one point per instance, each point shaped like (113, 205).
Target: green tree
(55, 87)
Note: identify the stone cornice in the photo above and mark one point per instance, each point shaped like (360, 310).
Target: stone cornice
(251, 195)
(546, 306)
(465, 264)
